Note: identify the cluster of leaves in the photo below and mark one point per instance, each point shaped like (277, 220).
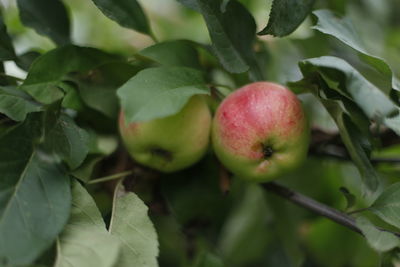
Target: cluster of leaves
(56, 126)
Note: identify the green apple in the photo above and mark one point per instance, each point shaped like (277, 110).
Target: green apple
(172, 143)
(260, 131)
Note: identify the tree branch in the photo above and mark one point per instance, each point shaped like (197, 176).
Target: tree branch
(315, 206)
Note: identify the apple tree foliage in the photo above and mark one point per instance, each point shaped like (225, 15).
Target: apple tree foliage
(67, 67)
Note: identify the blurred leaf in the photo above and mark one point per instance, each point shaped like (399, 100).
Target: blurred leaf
(44, 85)
(67, 140)
(16, 104)
(127, 13)
(25, 60)
(343, 30)
(350, 198)
(387, 205)
(173, 53)
(208, 259)
(35, 196)
(286, 16)
(47, 17)
(181, 191)
(85, 240)
(6, 47)
(378, 239)
(192, 4)
(244, 236)
(159, 92)
(97, 87)
(132, 226)
(232, 34)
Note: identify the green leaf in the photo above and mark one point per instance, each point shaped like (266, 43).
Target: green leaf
(244, 235)
(286, 16)
(232, 34)
(6, 48)
(352, 123)
(159, 92)
(343, 30)
(131, 224)
(16, 104)
(35, 196)
(97, 87)
(67, 140)
(45, 86)
(47, 17)
(378, 239)
(127, 13)
(208, 259)
(350, 198)
(387, 205)
(173, 53)
(85, 240)
(375, 104)
(192, 4)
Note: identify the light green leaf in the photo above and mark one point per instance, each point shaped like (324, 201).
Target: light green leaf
(159, 92)
(16, 104)
(286, 16)
(85, 240)
(35, 196)
(131, 224)
(343, 29)
(47, 17)
(387, 205)
(378, 239)
(127, 13)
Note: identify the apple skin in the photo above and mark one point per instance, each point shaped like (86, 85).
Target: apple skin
(260, 132)
(172, 143)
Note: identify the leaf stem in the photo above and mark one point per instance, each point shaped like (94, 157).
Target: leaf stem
(110, 177)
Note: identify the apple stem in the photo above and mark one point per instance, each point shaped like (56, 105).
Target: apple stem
(317, 207)
(110, 177)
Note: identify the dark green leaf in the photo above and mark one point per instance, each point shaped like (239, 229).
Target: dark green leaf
(159, 92)
(47, 17)
(25, 60)
(173, 53)
(97, 87)
(208, 259)
(67, 140)
(127, 13)
(44, 85)
(378, 239)
(6, 48)
(35, 196)
(85, 240)
(232, 34)
(16, 104)
(131, 224)
(343, 30)
(286, 16)
(387, 205)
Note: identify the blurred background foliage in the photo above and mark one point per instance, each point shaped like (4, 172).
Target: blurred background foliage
(246, 226)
